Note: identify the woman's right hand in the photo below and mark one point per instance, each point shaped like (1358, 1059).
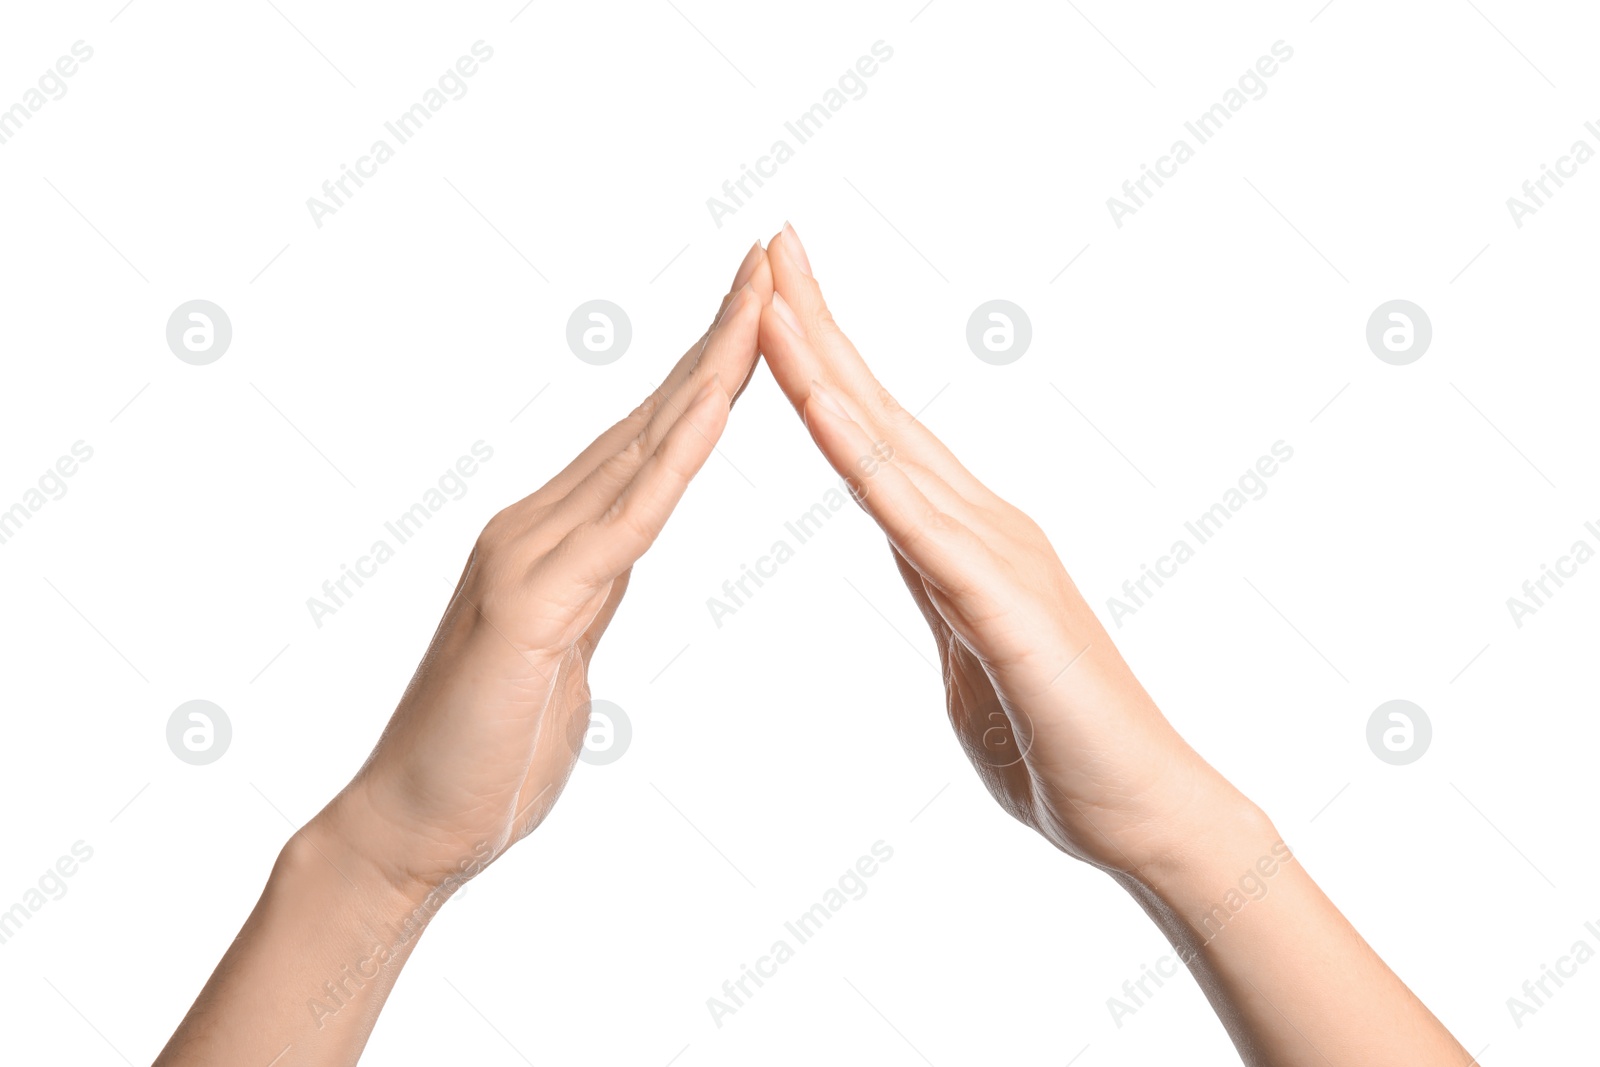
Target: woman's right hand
(1068, 741)
(1054, 721)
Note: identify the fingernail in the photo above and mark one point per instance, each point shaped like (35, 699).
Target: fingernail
(738, 294)
(792, 242)
(826, 401)
(747, 266)
(786, 313)
(706, 390)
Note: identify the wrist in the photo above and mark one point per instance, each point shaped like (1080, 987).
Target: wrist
(351, 835)
(413, 882)
(323, 861)
(1229, 855)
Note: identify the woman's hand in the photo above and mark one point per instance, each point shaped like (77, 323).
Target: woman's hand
(1055, 723)
(1069, 742)
(486, 734)
(484, 738)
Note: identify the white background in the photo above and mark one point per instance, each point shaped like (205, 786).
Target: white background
(369, 354)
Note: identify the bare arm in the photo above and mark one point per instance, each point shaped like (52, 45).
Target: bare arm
(484, 738)
(1068, 741)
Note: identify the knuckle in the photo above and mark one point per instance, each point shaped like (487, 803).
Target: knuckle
(933, 527)
(889, 407)
(638, 528)
(630, 523)
(633, 453)
(913, 540)
(674, 465)
(825, 322)
(496, 532)
(933, 524)
(646, 409)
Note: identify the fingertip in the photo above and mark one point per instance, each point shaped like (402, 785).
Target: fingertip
(792, 279)
(796, 249)
(779, 251)
(760, 280)
(771, 334)
(740, 301)
(747, 266)
(787, 273)
(785, 314)
(712, 396)
(789, 355)
(714, 388)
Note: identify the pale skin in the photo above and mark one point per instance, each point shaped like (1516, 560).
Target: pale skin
(484, 737)
(1068, 741)
(1056, 724)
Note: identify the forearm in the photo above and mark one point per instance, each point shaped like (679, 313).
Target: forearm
(304, 981)
(1290, 978)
